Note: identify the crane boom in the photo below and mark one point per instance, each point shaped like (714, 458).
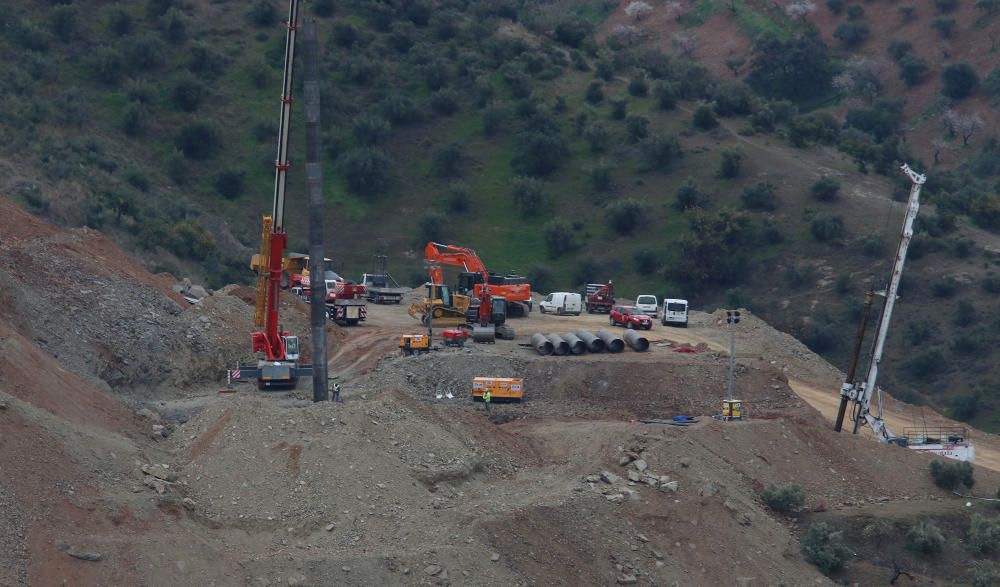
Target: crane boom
(284, 120)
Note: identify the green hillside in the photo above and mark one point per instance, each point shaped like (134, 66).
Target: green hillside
(566, 140)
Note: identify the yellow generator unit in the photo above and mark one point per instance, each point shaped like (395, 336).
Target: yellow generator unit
(732, 409)
(501, 388)
(414, 344)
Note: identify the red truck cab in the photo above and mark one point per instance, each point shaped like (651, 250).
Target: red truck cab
(630, 317)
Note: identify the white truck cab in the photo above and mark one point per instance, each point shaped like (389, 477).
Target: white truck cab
(562, 302)
(674, 313)
(648, 304)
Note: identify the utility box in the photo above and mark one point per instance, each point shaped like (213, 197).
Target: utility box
(501, 388)
(732, 409)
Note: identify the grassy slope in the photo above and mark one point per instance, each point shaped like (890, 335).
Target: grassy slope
(358, 226)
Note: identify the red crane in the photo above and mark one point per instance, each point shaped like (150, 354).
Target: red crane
(277, 349)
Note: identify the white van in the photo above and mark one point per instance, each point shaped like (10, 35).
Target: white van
(648, 304)
(562, 302)
(675, 313)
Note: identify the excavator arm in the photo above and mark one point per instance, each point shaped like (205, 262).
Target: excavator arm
(437, 254)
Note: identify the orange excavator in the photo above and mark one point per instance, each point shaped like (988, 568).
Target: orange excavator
(475, 281)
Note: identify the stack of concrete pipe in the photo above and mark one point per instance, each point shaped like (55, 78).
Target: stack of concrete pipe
(583, 341)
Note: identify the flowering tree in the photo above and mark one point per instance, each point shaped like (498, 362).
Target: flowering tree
(638, 10)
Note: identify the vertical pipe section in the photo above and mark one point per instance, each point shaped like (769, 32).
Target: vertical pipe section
(849, 384)
(314, 184)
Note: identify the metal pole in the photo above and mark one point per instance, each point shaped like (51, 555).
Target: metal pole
(314, 183)
(732, 359)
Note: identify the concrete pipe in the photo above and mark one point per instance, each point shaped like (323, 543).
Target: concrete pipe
(611, 342)
(594, 344)
(576, 346)
(541, 344)
(560, 346)
(637, 341)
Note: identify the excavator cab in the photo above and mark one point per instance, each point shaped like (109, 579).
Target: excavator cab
(467, 282)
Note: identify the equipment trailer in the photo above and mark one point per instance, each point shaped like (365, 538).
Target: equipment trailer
(380, 286)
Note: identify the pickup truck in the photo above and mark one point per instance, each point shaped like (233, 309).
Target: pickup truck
(630, 317)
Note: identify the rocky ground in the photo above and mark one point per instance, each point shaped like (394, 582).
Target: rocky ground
(126, 461)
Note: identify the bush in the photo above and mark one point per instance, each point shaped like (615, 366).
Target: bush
(944, 287)
(187, 92)
(134, 119)
(558, 236)
(826, 189)
(958, 81)
(842, 284)
(146, 52)
(986, 574)
(836, 6)
(657, 152)
(625, 216)
(119, 22)
(877, 531)
(64, 22)
(138, 180)
(447, 161)
(689, 196)
(964, 344)
(174, 27)
(821, 335)
(730, 162)
(945, 5)
(458, 198)
(925, 537)
(529, 195)
(445, 102)
(666, 95)
(600, 177)
(371, 129)
(538, 153)
(873, 245)
(230, 183)
(991, 284)
(760, 196)
(949, 475)
(704, 117)
(198, 140)
(189, 240)
(638, 86)
(852, 33)
(597, 136)
(399, 109)
(944, 25)
(262, 13)
(619, 108)
(898, 49)
(855, 12)
(636, 128)
(784, 498)
(430, 227)
(965, 314)
(912, 69)
(323, 7)
(367, 170)
(823, 547)
(646, 261)
(965, 408)
(494, 116)
(826, 227)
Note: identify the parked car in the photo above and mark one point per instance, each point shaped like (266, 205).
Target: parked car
(562, 302)
(630, 317)
(675, 313)
(648, 304)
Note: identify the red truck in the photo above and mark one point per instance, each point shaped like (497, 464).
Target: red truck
(630, 317)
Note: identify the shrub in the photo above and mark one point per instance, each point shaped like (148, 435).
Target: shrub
(836, 6)
(540, 277)
(821, 334)
(262, 13)
(657, 152)
(174, 27)
(907, 11)
(138, 180)
(704, 117)
(529, 195)
(619, 108)
(852, 33)
(323, 7)
(949, 475)
(823, 547)
(944, 287)
(964, 344)
(146, 52)
(430, 227)
(447, 161)
(558, 236)
(965, 314)
(965, 408)
(399, 109)
(912, 69)
(625, 216)
(605, 69)
(638, 86)
(944, 25)
(784, 498)
(917, 331)
(367, 170)
(371, 129)
(119, 22)
(198, 140)
(873, 245)
(190, 240)
(64, 22)
(458, 198)
(926, 364)
(985, 574)
(842, 284)
(445, 102)
(925, 537)
(597, 136)
(760, 196)
(855, 12)
(494, 116)
(538, 153)
(230, 183)
(646, 261)
(730, 162)
(898, 49)
(689, 196)
(770, 232)
(878, 530)
(826, 189)
(826, 227)
(187, 92)
(666, 95)
(636, 128)
(991, 283)
(157, 8)
(958, 81)
(134, 119)
(600, 177)
(945, 5)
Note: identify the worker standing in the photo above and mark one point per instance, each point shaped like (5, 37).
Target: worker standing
(486, 399)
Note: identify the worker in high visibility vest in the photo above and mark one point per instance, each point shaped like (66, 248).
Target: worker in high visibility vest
(486, 399)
